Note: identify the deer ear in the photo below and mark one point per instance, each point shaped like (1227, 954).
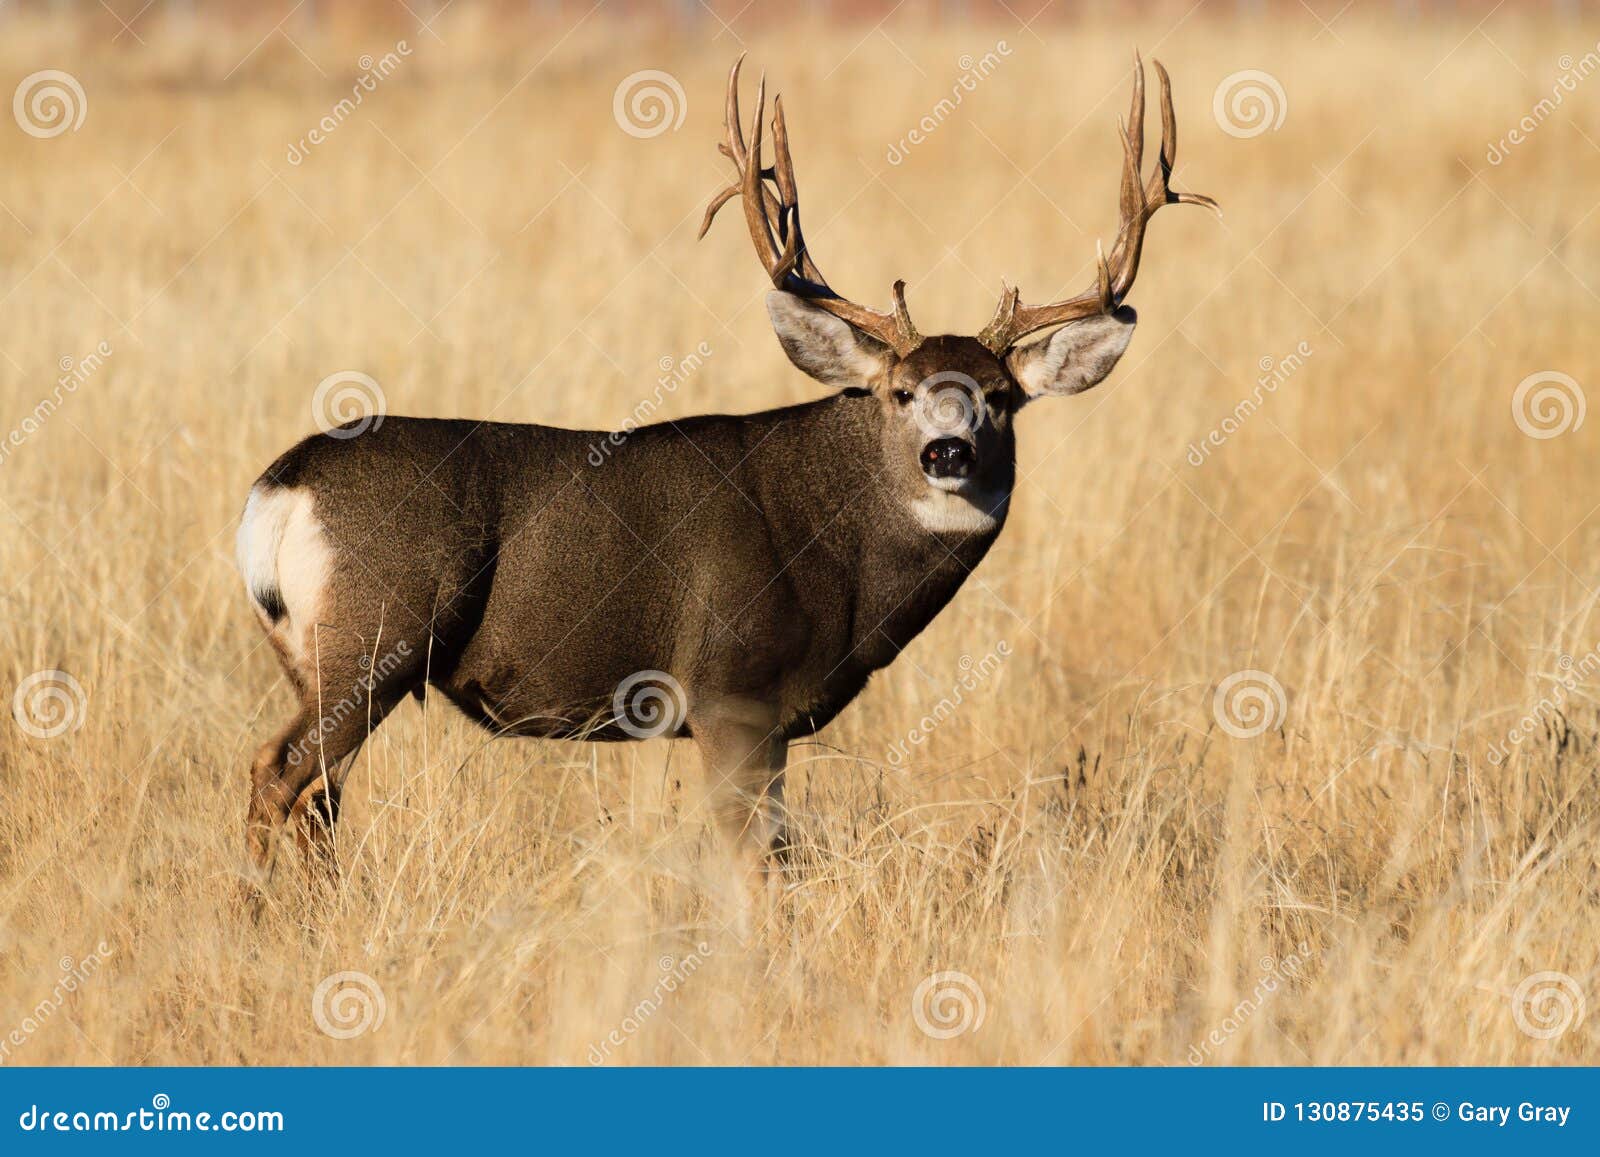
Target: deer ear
(833, 351)
(1077, 356)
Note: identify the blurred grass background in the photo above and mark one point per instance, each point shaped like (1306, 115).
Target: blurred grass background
(1114, 872)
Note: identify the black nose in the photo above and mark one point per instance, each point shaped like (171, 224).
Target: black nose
(948, 458)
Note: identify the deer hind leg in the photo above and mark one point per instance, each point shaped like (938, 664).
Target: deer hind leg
(349, 666)
(314, 816)
(276, 797)
(269, 802)
(299, 775)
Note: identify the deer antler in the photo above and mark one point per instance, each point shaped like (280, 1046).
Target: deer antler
(774, 221)
(1014, 321)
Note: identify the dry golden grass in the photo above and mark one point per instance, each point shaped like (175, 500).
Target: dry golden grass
(1079, 837)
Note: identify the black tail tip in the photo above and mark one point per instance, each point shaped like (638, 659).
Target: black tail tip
(271, 603)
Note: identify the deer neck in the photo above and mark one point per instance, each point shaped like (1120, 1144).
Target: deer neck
(877, 559)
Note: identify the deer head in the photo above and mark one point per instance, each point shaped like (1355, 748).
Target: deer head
(945, 403)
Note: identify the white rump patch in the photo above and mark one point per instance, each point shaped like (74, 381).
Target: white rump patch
(951, 511)
(285, 559)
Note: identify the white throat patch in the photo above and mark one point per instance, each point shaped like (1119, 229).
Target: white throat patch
(956, 512)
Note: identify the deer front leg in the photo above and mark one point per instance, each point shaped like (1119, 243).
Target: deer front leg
(744, 755)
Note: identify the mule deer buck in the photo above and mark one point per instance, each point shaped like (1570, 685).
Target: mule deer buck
(732, 579)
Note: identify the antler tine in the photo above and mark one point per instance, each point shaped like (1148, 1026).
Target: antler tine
(1133, 144)
(717, 202)
(1157, 192)
(782, 162)
(1169, 150)
(755, 207)
(733, 148)
(1113, 277)
(730, 118)
(769, 216)
(789, 193)
(1169, 124)
(728, 194)
(1137, 202)
(773, 218)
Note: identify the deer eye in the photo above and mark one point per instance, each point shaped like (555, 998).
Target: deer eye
(902, 397)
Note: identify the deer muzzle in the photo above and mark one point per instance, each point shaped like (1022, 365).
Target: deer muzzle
(949, 458)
